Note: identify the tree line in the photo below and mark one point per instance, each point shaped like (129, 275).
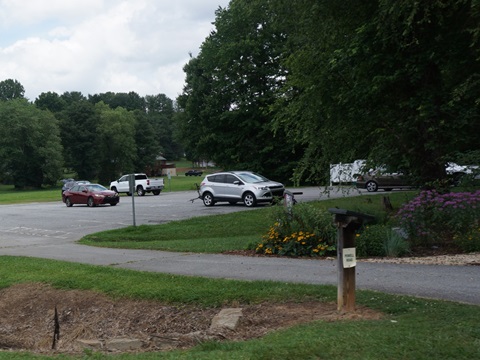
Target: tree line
(96, 137)
(281, 87)
(290, 87)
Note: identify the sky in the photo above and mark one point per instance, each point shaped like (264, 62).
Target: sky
(95, 46)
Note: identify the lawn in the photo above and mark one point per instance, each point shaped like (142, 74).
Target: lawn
(411, 328)
(220, 233)
(10, 195)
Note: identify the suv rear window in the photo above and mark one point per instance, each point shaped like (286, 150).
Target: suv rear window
(219, 178)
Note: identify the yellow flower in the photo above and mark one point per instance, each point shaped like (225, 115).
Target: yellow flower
(316, 250)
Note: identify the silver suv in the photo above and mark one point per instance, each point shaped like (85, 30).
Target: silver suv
(235, 186)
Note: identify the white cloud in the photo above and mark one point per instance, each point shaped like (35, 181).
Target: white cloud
(95, 46)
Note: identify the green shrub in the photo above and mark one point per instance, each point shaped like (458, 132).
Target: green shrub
(370, 240)
(395, 244)
(468, 241)
(301, 230)
(442, 219)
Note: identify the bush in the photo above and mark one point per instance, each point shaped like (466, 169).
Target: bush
(301, 230)
(395, 244)
(469, 241)
(370, 240)
(442, 219)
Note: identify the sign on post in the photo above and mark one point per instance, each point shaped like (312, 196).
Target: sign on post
(349, 258)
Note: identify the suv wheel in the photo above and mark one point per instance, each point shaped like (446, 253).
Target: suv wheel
(208, 199)
(249, 199)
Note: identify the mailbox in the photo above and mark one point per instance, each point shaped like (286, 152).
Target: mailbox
(347, 222)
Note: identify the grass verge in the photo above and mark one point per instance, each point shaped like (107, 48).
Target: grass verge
(10, 195)
(411, 329)
(220, 233)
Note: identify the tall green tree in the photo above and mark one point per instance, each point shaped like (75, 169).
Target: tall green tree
(11, 89)
(116, 130)
(81, 139)
(425, 81)
(160, 114)
(230, 89)
(393, 81)
(148, 146)
(50, 101)
(72, 96)
(30, 146)
(129, 101)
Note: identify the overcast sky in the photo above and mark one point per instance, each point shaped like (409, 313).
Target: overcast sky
(95, 46)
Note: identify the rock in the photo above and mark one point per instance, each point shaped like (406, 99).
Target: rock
(123, 344)
(226, 318)
(168, 341)
(90, 344)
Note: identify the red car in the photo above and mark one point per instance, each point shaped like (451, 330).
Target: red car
(91, 195)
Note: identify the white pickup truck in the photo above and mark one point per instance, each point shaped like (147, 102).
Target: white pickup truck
(142, 185)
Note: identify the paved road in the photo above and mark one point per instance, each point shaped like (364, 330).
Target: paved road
(50, 230)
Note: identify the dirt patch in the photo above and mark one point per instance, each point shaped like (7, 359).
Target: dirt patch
(27, 313)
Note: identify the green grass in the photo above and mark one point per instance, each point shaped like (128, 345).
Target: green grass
(216, 233)
(410, 329)
(181, 182)
(171, 289)
(10, 195)
(219, 233)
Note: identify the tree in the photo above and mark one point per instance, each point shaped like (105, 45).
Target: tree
(50, 101)
(129, 101)
(428, 63)
(394, 81)
(30, 146)
(11, 89)
(72, 96)
(148, 147)
(230, 88)
(116, 130)
(160, 114)
(80, 138)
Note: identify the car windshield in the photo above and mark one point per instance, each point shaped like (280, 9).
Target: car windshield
(252, 177)
(96, 187)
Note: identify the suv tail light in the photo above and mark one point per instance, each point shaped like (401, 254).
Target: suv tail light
(148, 182)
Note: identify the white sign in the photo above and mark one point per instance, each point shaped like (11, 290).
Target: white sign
(349, 258)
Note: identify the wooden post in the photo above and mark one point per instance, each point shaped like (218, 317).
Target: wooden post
(347, 223)
(346, 275)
